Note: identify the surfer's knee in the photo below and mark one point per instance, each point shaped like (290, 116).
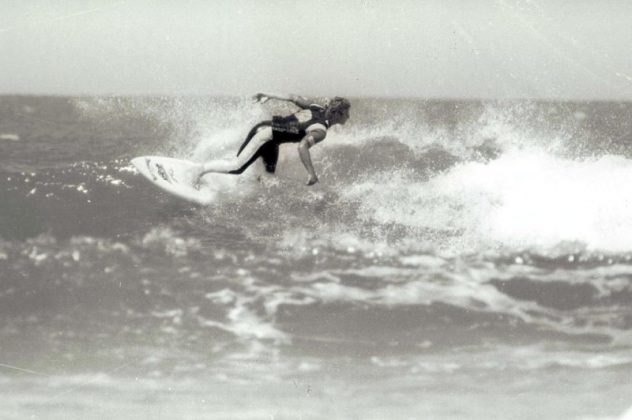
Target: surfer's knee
(263, 134)
(263, 130)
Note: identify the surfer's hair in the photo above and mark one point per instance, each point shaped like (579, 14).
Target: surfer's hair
(338, 107)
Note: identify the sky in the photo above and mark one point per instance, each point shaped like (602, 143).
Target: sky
(497, 49)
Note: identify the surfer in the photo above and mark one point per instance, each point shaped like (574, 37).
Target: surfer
(306, 127)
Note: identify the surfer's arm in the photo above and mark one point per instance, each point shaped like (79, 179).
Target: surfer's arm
(303, 151)
(299, 101)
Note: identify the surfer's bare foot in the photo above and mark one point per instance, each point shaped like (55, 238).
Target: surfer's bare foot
(197, 181)
(312, 180)
(196, 177)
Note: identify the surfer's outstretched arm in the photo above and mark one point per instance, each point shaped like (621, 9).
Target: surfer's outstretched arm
(303, 151)
(299, 101)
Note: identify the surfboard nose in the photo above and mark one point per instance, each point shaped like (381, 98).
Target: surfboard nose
(175, 176)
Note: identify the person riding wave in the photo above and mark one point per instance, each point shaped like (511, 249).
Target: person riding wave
(307, 127)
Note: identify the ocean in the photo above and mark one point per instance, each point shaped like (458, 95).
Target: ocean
(457, 260)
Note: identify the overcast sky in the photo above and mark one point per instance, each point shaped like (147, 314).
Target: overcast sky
(573, 49)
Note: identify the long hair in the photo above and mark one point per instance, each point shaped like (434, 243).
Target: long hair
(337, 107)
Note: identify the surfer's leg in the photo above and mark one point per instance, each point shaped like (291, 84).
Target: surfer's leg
(270, 156)
(254, 130)
(249, 153)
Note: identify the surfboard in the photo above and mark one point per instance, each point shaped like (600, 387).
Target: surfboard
(178, 177)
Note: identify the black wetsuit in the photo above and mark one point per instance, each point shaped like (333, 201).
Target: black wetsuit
(288, 129)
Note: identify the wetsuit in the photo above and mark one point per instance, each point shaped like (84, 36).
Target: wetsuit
(288, 129)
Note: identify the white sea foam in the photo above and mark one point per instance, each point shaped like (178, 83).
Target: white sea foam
(165, 239)
(9, 137)
(521, 200)
(526, 358)
(627, 415)
(241, 320)
(466, 286)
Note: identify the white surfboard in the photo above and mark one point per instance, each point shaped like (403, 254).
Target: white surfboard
(177, 177)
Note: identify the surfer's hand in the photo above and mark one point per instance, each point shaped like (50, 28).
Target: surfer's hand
(262, 98)
(312, 180)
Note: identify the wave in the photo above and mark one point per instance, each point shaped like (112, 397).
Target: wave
(407, 197)
(167, 279)
(511, 202)
(521, 200)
